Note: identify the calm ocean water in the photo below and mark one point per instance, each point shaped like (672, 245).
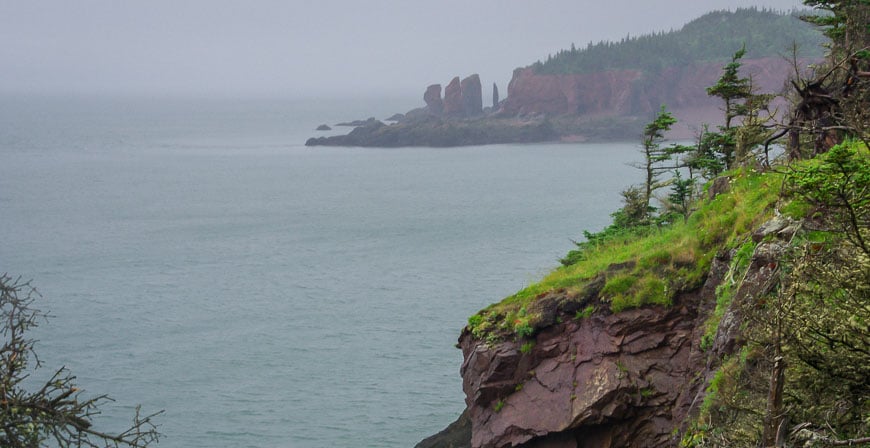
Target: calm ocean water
(197, 258)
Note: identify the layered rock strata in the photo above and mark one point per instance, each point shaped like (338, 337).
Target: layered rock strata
(629, 379)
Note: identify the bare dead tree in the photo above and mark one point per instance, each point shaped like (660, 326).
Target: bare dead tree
(57, 410)
(828, 107)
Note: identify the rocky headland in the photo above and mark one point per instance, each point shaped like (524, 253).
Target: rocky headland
(456, 118)
(597, 106)
(604, 92)
(741, 321)
(592, 377)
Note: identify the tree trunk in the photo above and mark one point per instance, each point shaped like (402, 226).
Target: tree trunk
(773, 416)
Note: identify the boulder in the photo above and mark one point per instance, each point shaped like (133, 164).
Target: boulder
(324, 127)
(457, 435)
(720, 185)
(453, 105)
(472, 96)
(432, 97)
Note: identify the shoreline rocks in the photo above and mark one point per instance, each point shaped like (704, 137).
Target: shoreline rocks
(597, 106)
(435, 132)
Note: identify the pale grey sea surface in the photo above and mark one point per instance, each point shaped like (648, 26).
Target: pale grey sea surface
(197, 258)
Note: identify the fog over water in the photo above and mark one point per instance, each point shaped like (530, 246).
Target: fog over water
(197, 258)
(278, 48)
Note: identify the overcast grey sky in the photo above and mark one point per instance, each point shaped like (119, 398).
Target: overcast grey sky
(305, 48)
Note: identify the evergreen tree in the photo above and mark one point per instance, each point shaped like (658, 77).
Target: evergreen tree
(733, 144)
(845, 23)
(654, 154)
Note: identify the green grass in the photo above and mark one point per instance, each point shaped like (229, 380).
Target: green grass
(585, 312)
(649, 268)
(527, 347)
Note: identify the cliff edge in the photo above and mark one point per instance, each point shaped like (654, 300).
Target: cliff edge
(622, 352)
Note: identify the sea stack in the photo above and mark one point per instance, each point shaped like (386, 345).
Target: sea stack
(453, 106)
(432, 97)
(472, 96)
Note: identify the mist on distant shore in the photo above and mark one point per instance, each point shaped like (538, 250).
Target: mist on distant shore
(338, 48)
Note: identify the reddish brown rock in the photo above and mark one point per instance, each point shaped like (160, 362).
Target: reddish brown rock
(634, 93)
(622, 377)
(591, 93)
(611, 380)
(453, 105)
(631, 379)
(432, 97)
(472, 96)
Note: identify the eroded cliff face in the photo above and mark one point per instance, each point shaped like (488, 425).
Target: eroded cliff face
(629, 379)
(632, 92)
(623, 379)
(589, 93)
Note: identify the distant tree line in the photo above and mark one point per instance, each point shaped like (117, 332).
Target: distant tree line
(711, 37)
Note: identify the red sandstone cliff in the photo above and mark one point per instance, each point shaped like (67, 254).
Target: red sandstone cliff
(628, 379)
(634, 93)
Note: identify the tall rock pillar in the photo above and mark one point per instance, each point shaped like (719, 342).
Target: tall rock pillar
(472, 96)
(432, 97)
(453, 105)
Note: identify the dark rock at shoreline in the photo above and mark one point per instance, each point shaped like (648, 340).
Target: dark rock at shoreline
(324, 127)
(457, 435)
(357, 123)
(436, 132)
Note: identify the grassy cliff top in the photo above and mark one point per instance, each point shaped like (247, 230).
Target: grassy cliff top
(646, 266)
(712, 37)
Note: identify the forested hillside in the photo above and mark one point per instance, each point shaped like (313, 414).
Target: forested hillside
(711, 37)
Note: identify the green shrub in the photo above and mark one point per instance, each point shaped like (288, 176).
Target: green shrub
(474, 321)
(527, 347)
(585, 312)
(523, 329)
